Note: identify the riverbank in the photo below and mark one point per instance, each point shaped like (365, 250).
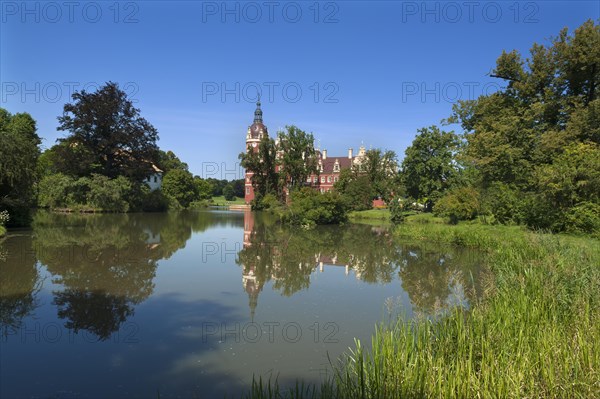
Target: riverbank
(533, 334)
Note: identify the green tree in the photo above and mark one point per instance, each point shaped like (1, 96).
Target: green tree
(169, 161)
(262, 162)
(381, 169)
(429, 165)
(107, 135)
(228, 193)
(204, 189)
(298, 158)
(19, 152)
(179, 185)
(356, 190)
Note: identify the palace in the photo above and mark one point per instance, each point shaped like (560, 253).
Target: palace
(329, 167)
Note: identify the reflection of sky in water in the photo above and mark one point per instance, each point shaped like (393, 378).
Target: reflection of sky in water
(190, 328)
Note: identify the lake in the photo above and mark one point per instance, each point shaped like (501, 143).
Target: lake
(194, 304)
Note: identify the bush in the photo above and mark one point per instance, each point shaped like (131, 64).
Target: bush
(398, 210)
(503, 203)
(108, 194)
(53, 190)
(458, 204)
(228, 193)
(310, 207)
(155, 201)
(583, 218)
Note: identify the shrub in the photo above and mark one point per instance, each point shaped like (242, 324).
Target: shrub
(53, 190)
(398, 210)
(583, 218)
(155, 201)
(310, 207)
(503, 202)
(108, 194)
(458, 204)
(228, 193)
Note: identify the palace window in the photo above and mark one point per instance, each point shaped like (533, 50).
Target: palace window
(308, 180)
(315, 179)
(335, 178)
(336, 167)
(322, 179)
(247, 190)
(328, 179)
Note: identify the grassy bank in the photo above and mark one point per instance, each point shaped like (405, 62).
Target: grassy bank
(371, 214)
(2, 231)
(535, 332)
(221, 201)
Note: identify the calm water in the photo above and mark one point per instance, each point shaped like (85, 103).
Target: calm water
(195, 304)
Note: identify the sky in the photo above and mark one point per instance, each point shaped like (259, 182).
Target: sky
(351, 72)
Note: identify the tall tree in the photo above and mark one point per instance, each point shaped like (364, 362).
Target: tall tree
(107, 135)
(429, 164)
(298, 158)
(262, 162)
(19, 151)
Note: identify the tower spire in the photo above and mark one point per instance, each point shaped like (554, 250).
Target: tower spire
(258, 112)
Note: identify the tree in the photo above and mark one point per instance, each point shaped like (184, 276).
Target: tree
(169, 161)
(262, 163)
(204, 189)
(179, 185)
(107, 135)
(19, 152)
(356, 190)
(228, 193)
(429, 164)
(381, 169)
(298, 158)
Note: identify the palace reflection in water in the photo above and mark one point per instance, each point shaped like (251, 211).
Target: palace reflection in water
(101, 277)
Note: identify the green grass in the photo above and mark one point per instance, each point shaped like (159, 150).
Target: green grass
(534, 334)
(370, 214)
(220, 201)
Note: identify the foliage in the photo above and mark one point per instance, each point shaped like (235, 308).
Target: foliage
(356, 190)
(535, 144)
(460, 203)
(429, 165)
(19, 151)
(107, 136)
(398, 208)
(262, 161)
(168, 161)
(203, 188)
(4, 218)
(309, 207)
(584, 218)
(381, 169)
(228, 193)
(179, 185)
(108, 194)
(53, 190)
(155, 201)
(298, 158)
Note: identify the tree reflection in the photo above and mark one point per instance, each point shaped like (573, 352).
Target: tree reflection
(19, 282)
(107, 263)
(434, 277)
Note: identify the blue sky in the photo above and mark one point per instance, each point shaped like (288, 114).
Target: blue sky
(350, 72)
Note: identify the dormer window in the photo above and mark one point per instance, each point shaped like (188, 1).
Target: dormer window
(336, 166)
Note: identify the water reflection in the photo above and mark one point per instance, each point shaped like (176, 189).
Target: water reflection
(156, 280)
(435, 278)
(19, 283)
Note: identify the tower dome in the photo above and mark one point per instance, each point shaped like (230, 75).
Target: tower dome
(258, 129)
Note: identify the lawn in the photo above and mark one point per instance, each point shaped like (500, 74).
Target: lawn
(221, 201)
